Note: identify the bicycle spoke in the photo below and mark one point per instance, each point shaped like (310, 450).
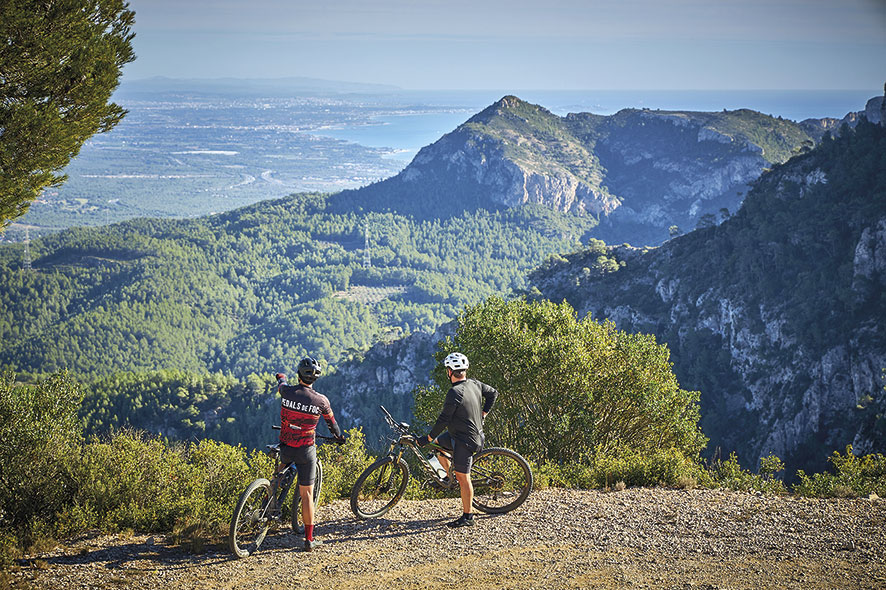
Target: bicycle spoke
(250, 521)
(379, 488)
(501, 480)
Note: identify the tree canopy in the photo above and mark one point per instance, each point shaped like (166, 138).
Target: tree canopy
(257, 289)
(569, 387)
(60, 60)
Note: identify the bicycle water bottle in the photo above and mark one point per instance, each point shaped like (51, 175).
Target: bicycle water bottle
(435, 463)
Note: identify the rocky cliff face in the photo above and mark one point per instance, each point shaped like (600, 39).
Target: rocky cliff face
(786, 364)
(385, 375)
(673, 168)
(469, 156)
(777, 315)
(874, 112)
(639, 171)
(516, 153)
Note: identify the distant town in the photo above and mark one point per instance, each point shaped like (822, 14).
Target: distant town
(186, 154)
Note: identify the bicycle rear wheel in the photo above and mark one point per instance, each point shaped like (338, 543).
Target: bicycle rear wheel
(250, 522)
(379, 487)
(502, 480)
(296, 498)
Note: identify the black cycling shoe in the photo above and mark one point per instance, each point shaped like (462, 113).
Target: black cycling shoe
(460, 522)
(310, 545)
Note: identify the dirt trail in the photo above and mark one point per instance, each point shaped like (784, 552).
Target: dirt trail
(636, 538)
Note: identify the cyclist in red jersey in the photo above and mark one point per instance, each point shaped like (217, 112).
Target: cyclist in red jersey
(300, 411)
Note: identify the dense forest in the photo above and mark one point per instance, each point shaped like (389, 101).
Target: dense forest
(256, 289)
(250, 292)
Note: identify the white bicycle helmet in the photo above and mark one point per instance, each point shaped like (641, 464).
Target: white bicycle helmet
(456, 361)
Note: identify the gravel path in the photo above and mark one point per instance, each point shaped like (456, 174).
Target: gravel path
(636, 538)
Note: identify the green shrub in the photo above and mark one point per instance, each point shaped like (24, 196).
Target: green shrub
(41, 440)
(9, 550)
(569, 475)
(222, 472)
(342, 465)
(133, 481)
(730, 475)
(666, 467)
(629, 467)
(567, 383)
(855, 477)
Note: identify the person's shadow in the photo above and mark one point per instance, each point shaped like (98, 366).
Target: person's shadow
(151, 555)
(342, 530)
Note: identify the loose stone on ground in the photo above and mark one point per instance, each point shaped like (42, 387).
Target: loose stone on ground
(636, 538)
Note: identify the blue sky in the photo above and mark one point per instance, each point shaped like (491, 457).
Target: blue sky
(545, 44)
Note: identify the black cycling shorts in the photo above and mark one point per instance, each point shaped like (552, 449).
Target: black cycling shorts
(305, 459)
(462, 454)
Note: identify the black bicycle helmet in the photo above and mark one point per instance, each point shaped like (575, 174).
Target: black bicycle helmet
(308, 370)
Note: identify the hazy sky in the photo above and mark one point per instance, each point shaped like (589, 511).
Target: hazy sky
(520, 44)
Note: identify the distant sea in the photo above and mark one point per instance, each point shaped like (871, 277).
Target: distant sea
(407, 133)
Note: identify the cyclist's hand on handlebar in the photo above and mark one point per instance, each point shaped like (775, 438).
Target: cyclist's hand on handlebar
(340, 440)
(423, 440)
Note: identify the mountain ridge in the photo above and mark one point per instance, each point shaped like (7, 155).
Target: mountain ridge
(775, 315)
(638, 171)
(263, 284)
(723, 342)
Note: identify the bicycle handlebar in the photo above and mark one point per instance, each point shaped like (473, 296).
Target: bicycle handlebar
(388, 415)
(401, 428)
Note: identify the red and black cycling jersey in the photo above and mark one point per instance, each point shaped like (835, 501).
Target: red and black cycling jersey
(300, 412)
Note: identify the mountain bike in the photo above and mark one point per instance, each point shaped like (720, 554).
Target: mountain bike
(260, 506)
(502, 479)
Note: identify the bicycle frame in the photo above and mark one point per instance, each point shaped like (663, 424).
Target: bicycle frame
(281, 481)
(406, 441)
(287, 475)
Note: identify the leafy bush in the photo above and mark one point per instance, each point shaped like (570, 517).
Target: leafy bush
(568, 385)
(342, 465)
(855, 477)
(132, 481)
(730, 475)
(41, 442)
(222, 472)
(667, 467)
(627, 467)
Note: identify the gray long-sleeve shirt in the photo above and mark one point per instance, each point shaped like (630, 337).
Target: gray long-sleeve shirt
(463, 409)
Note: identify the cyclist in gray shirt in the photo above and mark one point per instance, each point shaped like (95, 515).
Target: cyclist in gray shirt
(466, 405)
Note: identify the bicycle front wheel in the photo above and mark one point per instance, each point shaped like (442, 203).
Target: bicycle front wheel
(502, 480)
(379, 487)
(297, 521)
(250, 523)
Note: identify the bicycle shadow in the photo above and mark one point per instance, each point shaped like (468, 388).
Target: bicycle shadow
(344, 530)
(154, 553)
